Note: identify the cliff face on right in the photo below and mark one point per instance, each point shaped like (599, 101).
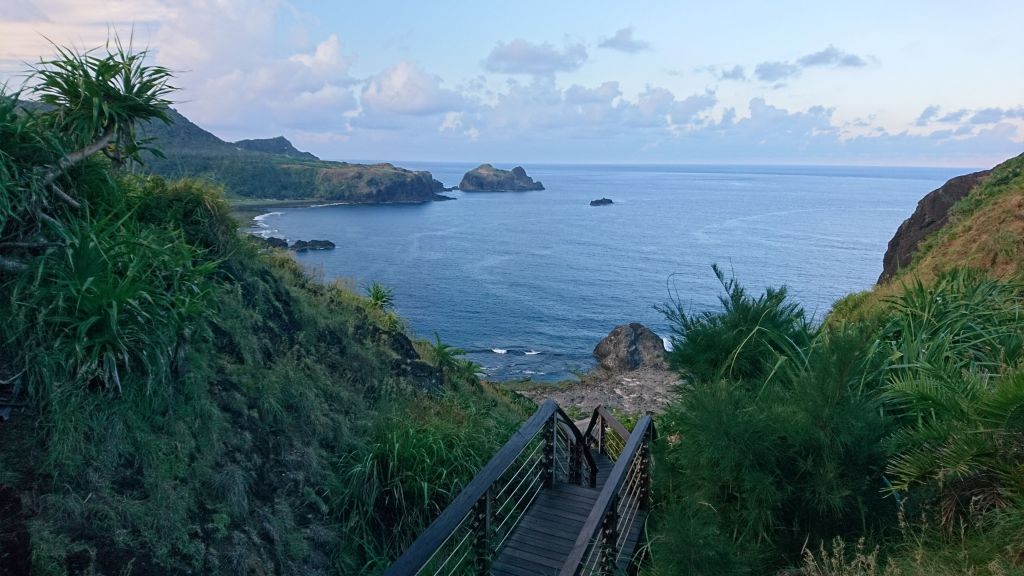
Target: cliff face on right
(972, 221)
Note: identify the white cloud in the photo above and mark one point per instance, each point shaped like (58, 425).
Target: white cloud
(405, 89)
(623, 41)
(326, 58)
(522, 57)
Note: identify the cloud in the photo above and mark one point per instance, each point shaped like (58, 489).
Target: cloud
(326, 58)
(832, 56)
(955, 116)
(22, 11)
(522, 57)
(623, 41)
(405, 89)
(734, 73)
(775, 71)
(994, 115)
(927, 115)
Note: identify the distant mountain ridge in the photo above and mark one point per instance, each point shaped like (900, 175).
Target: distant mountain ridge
(273, 169)
(277, 145)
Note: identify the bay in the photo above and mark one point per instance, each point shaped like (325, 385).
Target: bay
(528, 282)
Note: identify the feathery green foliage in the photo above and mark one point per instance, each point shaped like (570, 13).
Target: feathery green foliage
(923, 403)
(744, 341)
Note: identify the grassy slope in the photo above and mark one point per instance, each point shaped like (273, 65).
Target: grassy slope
(271, 448)
(985, 233)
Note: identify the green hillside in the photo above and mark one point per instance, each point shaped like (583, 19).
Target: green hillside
(273, 169)
(176, 399)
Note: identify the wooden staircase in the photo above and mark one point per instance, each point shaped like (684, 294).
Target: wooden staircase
(555, 500)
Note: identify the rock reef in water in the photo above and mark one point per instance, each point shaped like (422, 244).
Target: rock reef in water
(601, 202)
(307, 245)
(487, 178)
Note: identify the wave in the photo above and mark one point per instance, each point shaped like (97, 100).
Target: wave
(259, 220)
(666, 343)
(499, 350)
(531, 352)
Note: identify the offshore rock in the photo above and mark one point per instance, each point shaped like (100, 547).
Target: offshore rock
(487, 178)
(629, 347)
(601, 202)
(305, 246)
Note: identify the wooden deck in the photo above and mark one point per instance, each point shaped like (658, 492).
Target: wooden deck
(559, 532)
(541, 542)
(543, 539)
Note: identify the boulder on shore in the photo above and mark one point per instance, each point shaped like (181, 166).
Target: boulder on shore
(601, 202)
(306, 245)
(487, 178)
(629, 347)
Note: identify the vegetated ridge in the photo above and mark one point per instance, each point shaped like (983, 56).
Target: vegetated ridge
(273, 169)
(176, 398)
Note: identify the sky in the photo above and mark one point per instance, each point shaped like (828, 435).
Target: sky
(937, 83)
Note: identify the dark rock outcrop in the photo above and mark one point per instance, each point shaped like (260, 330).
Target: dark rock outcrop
(408, 363)
(629, 347)
(487, 178)
(931, 214)
(275, 242)
(601, 202)
(307, 245)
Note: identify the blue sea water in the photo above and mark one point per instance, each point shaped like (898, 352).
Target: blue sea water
(528, 283)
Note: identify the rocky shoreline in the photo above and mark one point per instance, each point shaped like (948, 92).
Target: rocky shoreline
(631, 376)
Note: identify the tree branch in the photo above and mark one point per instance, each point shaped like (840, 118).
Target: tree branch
(79, 155)
(28, 245)
(64, 196)
(8, 265)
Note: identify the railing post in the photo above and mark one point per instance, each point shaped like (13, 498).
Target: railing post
(601, 448)
(482, 516)
(549, 452)
(645, 471)
(575, 456)
(610, 539)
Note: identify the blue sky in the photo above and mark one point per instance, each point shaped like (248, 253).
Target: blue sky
(885, 83)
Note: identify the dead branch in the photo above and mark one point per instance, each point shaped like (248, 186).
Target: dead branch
(78, 155)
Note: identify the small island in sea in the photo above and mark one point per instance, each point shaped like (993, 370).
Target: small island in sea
(487, 178)
(601, 202)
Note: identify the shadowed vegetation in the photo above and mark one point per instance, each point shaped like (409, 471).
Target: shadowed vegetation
(184, 400)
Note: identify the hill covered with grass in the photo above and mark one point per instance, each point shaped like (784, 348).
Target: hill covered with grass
(177, 399)
(273, 169)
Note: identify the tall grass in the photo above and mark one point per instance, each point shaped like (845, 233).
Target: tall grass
(416, 460)
(823, 433)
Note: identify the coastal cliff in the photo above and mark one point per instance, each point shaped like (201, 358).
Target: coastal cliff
(932, 213)
(487, 178)
(273, 169)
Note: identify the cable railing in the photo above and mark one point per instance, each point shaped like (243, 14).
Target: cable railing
(623, 502)
(547, 449)
(605, 434)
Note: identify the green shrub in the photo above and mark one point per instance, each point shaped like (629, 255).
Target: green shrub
(781, 436)
(742, 342)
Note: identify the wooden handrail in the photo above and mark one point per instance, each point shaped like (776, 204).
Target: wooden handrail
(450, 519)
(607, 498)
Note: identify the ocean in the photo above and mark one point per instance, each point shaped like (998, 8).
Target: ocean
(527, 283)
